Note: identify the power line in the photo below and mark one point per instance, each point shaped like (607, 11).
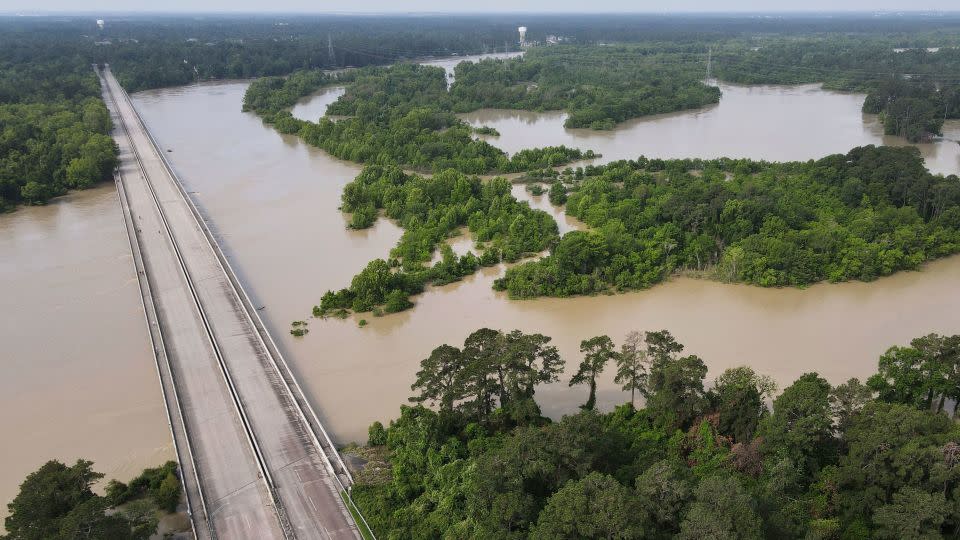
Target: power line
(709, 62)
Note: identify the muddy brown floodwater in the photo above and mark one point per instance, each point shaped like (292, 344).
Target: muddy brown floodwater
(78, 375)
(275, 201)
(774, 123)
(78, 379)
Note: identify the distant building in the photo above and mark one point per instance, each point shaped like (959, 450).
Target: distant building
(100, 24)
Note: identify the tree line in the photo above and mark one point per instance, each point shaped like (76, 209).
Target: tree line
(869, 213)
(54, 128)
(732, 459)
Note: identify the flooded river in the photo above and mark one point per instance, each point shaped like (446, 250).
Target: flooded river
(276, 199)
(774, 123)
(79, 381)
(78, 375)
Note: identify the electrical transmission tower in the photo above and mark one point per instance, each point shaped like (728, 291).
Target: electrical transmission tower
(333, 56)
(709, 62)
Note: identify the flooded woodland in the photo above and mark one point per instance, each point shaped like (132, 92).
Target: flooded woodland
(81, 380)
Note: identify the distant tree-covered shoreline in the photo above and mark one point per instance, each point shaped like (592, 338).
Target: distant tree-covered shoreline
(913, 89)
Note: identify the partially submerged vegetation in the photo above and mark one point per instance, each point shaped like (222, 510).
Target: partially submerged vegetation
(269, 95)
(400, 115)
(399, 118)
(56, 502)
(859, 216)
(431, 209)
(299, 328)
(880, 460)
(870, 213)
(486, 130)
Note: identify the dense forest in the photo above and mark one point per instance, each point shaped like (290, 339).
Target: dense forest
(598, 86)
(155, 51)
(56, 502)
(698, 460)
(51, 120)
(869, 213)
(54, 129)
(913, 89)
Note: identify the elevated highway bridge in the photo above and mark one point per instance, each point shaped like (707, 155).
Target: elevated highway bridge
(254, 458)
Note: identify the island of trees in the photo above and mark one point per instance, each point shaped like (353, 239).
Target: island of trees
(697, 460)
(856, 216)
(431, 209)
(400, 114)
(859, 216)
(869, 213)
(598, 86)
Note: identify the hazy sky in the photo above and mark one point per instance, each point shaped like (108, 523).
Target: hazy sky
(485, 5)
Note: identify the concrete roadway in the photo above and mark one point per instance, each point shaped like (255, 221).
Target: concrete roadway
(262, 472)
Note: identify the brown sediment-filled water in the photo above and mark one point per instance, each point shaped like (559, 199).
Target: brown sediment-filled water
(315, 105)
(79, 380)
(275, 200)
(772, 123)
(78, 375)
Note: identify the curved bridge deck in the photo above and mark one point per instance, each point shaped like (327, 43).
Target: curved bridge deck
(254, 458)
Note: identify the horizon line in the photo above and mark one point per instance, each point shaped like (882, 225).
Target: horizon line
(872, 13)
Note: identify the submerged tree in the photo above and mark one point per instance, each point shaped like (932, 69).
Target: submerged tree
(597, 352)
(632, 365)
(925, 375)
(439, 379)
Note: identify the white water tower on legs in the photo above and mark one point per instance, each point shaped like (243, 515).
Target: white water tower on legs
(523, 35)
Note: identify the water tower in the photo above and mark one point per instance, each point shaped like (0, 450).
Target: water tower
(100, 24)
(523, 35)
